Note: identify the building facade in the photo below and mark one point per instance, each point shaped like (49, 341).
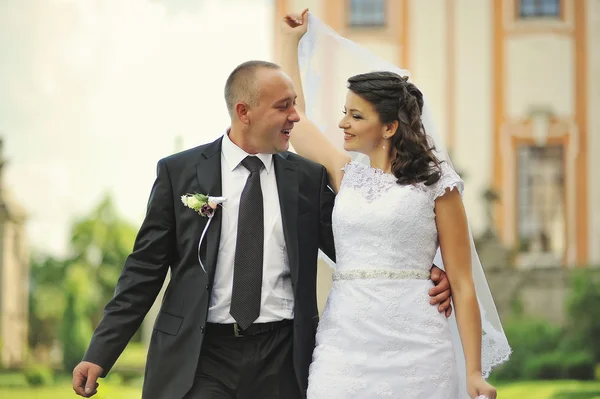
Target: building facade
(14, 279)
(512, 85)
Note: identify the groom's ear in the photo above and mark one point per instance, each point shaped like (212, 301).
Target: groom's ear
(242, 110)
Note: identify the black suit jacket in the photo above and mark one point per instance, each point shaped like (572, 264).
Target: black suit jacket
(169, 237)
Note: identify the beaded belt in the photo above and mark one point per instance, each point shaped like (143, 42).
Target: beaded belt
(361, 274)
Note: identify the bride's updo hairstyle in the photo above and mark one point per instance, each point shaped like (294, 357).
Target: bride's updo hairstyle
(395, 99)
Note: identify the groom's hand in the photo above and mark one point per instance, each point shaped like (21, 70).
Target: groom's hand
(440, 294)
(84, 379)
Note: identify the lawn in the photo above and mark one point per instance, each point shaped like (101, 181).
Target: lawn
(520, 390)
(65, 391)
(550, 390)
(14, 386)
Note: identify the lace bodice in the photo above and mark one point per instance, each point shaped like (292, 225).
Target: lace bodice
(379, 336)
(380, 224)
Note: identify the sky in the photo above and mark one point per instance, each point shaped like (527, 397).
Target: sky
(95, 92)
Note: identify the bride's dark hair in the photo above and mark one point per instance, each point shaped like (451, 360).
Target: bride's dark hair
(396, 99)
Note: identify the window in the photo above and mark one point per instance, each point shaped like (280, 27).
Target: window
(541, 208)
(539, 9)
(367, 13)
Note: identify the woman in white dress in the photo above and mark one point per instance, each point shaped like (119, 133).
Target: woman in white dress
(379, 337)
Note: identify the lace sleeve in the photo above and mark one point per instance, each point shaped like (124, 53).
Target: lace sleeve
(351, 166)
(448, 180)
(352, 172)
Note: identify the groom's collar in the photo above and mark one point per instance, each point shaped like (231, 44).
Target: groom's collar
(234, 155)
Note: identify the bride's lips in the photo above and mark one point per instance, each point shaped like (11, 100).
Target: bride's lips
(348, 136)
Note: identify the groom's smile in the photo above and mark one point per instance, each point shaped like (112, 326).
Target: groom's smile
(272, 121)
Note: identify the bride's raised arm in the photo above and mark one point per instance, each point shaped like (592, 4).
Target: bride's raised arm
(306, 137)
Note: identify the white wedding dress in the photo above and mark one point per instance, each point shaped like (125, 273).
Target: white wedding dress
(379, 337)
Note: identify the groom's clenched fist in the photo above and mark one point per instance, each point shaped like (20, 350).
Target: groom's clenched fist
(84, 379)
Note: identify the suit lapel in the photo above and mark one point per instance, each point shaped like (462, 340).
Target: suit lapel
(208, 173)
(287, 186)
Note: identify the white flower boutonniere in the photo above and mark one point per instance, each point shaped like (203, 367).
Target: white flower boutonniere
(204, 205)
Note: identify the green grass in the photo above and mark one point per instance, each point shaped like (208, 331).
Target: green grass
(65, 391)
(550, 390)
(113, 390)
(133, 357)
(14, 386)
(11, 379)
(130, 365)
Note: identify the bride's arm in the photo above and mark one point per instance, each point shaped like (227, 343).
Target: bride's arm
(453, 232)
(306, 137)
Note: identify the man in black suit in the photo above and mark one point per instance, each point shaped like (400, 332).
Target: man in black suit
(239, 316)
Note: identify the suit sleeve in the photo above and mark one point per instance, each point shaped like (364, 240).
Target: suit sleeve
(326, 208)
(142, 276)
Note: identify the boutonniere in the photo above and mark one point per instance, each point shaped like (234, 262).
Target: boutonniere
(204, 205)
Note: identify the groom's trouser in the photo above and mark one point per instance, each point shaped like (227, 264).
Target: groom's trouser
(257, 366)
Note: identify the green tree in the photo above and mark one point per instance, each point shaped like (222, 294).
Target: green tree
(46, 299)
(68, 295)
(81, 295)
(583, 309)
(101, 242)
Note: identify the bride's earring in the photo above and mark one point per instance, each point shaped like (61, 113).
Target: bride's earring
(385, 138)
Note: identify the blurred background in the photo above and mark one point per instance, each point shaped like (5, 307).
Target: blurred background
(95, 92)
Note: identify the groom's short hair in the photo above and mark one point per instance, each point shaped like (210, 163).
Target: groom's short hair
(241, 84)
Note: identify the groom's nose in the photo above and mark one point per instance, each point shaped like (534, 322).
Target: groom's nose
(294, 117)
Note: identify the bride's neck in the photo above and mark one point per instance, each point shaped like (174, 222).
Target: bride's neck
(381, 159)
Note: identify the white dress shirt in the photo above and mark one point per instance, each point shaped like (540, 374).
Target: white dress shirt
(277, 298)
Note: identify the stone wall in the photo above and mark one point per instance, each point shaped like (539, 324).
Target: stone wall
(14, 276)
(541, 293)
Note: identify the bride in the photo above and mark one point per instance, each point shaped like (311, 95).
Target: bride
(379, 337)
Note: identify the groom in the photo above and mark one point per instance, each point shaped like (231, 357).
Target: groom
(245, 327)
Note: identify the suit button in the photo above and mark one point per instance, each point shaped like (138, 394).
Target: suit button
(202, 330)
(206, 287)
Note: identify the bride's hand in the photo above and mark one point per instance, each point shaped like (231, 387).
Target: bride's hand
(294, 25)
(479, 388)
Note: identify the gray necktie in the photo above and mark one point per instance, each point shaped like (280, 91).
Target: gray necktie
(248, 264)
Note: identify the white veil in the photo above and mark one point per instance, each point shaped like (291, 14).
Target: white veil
(327, 60)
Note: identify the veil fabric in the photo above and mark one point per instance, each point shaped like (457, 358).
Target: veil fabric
(326, 61)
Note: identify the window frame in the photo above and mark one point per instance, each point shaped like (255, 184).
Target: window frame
(539, 12)
(352, 23)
